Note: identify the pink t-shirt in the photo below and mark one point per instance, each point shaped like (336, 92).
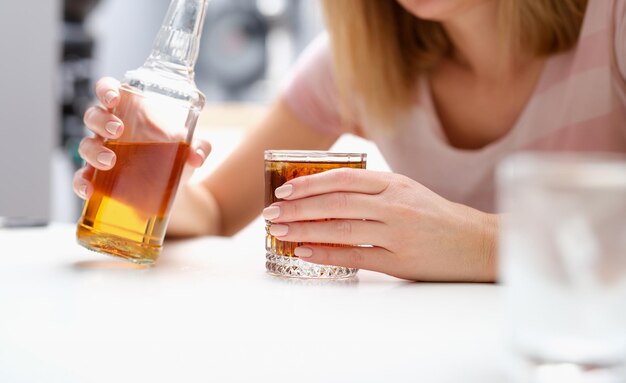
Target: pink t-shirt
(579, 104)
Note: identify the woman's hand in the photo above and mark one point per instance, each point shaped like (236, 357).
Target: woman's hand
(412, 232)
(105, 125)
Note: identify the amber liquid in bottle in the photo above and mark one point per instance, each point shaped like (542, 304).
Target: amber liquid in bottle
(127, 213)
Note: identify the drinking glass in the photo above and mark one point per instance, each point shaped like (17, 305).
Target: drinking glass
(563, 265)
(280, 167)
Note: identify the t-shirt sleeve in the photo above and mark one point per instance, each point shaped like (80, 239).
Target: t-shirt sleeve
(311, 92)
(620, 36)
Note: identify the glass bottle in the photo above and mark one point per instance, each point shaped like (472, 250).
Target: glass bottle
(128, 211)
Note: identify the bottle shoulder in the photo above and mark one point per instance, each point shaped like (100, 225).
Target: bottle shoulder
(166, 83)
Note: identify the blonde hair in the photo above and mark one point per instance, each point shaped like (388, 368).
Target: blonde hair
(380, 49)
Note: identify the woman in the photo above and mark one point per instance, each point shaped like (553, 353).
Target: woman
(446, 89)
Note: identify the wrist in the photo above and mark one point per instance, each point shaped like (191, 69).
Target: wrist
(195, 213)
(488, 249)
(481, 244)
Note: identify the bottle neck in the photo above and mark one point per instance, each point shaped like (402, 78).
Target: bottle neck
(176, 46)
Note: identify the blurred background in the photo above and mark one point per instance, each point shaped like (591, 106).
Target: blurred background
(247, 45)
(55, 51)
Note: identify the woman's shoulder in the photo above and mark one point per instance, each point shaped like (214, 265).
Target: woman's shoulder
(601, 44)
(310, 89)
(603, 16)
(318, 48)
(618, 37)
(315, 62)
(596, 16)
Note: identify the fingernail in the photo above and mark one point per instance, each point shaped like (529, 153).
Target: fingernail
(279, 230)
(270, 213)
(201, 153)
(110, 96)
(303, 252)
(82, 190)
(283, 191)
(106, 158)
(112, 127)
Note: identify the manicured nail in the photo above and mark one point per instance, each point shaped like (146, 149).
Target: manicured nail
(82, 190)
(283, 191)
(201, 153)
(279, 230)
(106, 158)
(112, 127)
(270, 213)
(303, 252)
(110, 96)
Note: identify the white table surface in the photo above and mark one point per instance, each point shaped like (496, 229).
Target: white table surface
(208, 312)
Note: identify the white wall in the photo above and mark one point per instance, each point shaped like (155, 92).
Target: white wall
(124, 31)
(29, 111)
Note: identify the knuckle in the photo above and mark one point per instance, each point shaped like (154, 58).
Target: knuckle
(86, 147)
(338, 201)
(95, 120)
(292, 211)
(399, 183)
(76, 181)
(80, 174)
(299, 230)
(343, 230)
(87, 116)
(405, 211)
(322, 255)
(406, 184)
(101, 86)
(344, 176)
(355, 257)
(303, 183)
(82, 146)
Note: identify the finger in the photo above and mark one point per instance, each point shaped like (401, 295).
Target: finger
(92, 150)
(335, 180)
(103, 123)
(199, 152)
(368, 258)
(107, 91)
(82, 182)
(333, 205)
(345, 232)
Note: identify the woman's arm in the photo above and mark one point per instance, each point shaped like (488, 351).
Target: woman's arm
(228, 199)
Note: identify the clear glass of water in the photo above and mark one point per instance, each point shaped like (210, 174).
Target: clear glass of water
(563, 265)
